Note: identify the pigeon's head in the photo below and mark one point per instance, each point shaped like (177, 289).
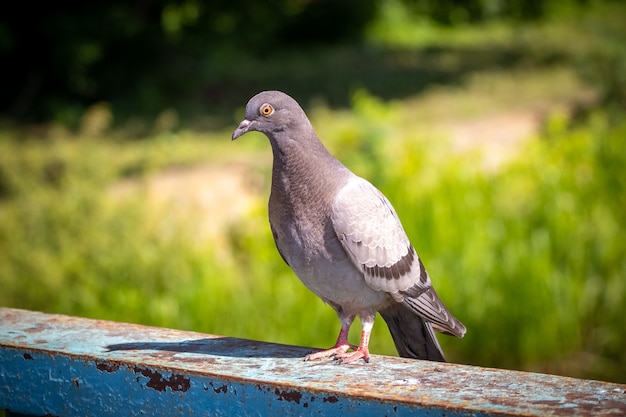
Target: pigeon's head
(271, 112)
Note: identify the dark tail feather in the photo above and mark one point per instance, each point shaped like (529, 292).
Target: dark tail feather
(413, 336)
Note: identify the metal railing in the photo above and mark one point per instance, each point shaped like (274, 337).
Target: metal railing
(59, 365)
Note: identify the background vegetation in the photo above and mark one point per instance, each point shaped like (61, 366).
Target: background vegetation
(528, 251)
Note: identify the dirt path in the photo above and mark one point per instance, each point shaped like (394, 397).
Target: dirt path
(496, 136)
(220, 193)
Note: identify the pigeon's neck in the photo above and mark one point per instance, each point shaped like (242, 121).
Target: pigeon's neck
(304, 171)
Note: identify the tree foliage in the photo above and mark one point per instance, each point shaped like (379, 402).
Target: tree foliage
(143, 54)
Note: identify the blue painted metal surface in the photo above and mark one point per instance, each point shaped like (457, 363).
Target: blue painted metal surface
(67, 366)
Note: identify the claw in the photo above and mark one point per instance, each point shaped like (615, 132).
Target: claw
(359, 353)
(336, 351)
(340, 351)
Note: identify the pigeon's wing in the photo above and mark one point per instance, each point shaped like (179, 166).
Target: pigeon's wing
(371, 234)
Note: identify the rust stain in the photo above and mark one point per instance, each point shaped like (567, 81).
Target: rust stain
(37, 328)
(285, 395)
(108, 367)
(203, 360)
(157, 382)
(219, 390)
(330, 399)
(589, 406)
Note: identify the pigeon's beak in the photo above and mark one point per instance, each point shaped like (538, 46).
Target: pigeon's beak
(243, 127)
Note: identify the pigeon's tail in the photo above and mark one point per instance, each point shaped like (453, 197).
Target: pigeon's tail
(413, 336)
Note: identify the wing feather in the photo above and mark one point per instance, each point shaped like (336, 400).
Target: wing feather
(373, 237)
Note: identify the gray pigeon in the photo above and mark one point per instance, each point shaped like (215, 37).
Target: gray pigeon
(343, 239)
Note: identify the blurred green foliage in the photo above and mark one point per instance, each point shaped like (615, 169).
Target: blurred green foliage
(530, 256)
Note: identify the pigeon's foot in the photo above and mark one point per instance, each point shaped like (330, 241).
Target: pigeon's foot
(359, 353)
(340, 351)
(335, 351)
(341, 345)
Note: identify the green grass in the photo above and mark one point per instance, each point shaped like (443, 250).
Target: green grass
(529, 255)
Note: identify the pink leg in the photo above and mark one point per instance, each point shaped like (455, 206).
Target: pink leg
(362, 351)
(341, 346)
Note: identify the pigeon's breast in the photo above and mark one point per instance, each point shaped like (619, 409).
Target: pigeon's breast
(300, 215)
(315, 254)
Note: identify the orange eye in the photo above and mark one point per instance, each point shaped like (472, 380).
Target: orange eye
(266, 109)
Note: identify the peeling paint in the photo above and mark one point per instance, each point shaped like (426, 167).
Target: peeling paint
(157, 382)
(108, 367)
(219, 390)
(330, 399)
(286, 395)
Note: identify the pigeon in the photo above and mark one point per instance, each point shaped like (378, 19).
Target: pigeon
(344, 240)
